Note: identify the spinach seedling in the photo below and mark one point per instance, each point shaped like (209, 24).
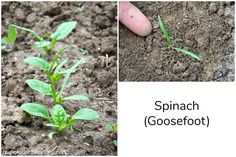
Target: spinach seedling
(165, 34)
(53, 73)
(113, 128)
(58, 118)
(7, 43)
(49, 43)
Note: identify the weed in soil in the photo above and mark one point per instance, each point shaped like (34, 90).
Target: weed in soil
(165, 34)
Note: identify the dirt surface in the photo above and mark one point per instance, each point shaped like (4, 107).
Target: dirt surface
(204, 28)
(95, 32)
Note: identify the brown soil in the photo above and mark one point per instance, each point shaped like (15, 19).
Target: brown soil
(205, 28)
(95, 32)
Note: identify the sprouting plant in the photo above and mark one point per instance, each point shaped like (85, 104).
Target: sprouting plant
(80, 9)
(58, 118)
(53, 74)
(49, 42)
(165, 34)
(7, 42)
(83, 51)
(113, 128)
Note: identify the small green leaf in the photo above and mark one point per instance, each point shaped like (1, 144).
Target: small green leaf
(59, 115)
(85, 114)
(39, 86)
(35, 110)
(189, 53)
(63, 30)
(163, 29)
(4, 40)
(68, 73)
(60, 66)
(115, 142)
(50, 135)
(42, 43)
(29, 30)
(109, 127)
(11, 35)
(56, 77)
(77, 97)
(37, 62)
(80, 9)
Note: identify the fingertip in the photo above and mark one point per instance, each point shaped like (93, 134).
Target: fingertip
(134, 19)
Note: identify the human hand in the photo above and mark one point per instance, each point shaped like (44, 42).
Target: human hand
(134, 19)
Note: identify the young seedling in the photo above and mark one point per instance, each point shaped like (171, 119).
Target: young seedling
(83, 51)
(58, 118)
(165, 34)
(8, 42)
(80, 9)
(48, 44)
(53, 73)
(113, 128)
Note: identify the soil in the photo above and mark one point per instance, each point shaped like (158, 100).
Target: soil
(204, 28)
(96, 32)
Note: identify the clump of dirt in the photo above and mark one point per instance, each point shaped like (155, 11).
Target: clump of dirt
(96, 33)
(204, 28)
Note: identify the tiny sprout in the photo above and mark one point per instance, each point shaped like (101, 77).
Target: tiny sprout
(166, 35)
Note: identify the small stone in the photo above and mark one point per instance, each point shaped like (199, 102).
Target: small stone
(179, 67)
(103, 21)
(227, 11)
(202, 42)
(220, 12)
(231, 22)
(159, 72)
(20, 14)
(88, 140)
(213, 7)
(31, 18)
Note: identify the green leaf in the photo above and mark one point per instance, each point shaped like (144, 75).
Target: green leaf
(50, 135)
(60, 66)
(63, 30)
(189, 53)
(163, 29)
(4, 40)
(11, 35)
(112, 127)
(37, 62)
(85, 114)
(56, 77)
(109, 127)
(59, 115)
(80, 9)
(77, 97)
(68, 73)
(3, 47)
(42, 43)
(29, 30)
(35, 110)
(115, 142)
(39, 86)
(56, 58)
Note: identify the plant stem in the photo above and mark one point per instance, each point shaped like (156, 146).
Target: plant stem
(49, 49)
(53, 89)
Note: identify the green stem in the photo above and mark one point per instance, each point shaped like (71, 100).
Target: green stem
(53, 89)
(29, 30)
(54, 41)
